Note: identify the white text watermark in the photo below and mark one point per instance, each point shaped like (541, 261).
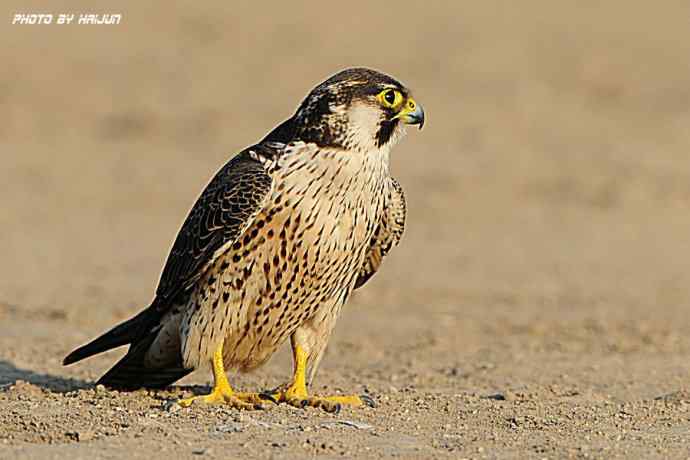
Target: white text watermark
(35, 19)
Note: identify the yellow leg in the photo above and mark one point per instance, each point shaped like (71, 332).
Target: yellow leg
(296, 394)
(222, 392)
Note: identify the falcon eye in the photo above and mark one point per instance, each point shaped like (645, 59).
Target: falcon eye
(390, 97)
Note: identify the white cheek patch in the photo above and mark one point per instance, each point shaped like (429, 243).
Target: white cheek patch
(363, 121)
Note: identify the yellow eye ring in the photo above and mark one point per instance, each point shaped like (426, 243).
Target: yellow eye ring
(390, 98)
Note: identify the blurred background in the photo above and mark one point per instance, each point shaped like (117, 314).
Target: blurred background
(549, 192)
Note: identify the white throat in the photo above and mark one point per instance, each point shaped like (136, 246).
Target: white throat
(364, 121)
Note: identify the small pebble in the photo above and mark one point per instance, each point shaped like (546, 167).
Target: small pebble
(171, 406)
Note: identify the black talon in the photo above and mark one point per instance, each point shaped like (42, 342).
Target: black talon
(337, 409)
(368, 400)
(268, 397)
(304, 403)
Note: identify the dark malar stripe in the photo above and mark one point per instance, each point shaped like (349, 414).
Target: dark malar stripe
(385, 132)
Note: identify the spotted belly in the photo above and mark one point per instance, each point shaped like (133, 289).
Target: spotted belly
(292, 263)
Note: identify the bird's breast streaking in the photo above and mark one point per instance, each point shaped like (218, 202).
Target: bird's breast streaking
(301, 254)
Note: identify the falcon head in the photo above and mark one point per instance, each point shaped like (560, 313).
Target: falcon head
(359, 109)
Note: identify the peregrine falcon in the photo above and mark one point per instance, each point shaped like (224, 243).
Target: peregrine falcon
(273, 248)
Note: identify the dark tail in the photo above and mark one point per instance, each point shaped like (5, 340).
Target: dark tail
(131, 373)
(122, 334)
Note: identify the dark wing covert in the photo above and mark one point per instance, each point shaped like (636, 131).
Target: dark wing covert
(225, 208)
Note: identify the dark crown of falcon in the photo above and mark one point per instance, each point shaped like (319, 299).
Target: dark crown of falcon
(357, 108)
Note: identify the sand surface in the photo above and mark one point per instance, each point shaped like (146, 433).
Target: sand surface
(538, 307)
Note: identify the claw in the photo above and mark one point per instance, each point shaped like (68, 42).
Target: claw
(330, 404)
(268, 397)
(368, 400)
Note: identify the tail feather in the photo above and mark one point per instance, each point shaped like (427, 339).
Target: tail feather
(131, 373)
(122, 334)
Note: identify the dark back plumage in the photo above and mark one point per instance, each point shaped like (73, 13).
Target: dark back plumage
(218, 217)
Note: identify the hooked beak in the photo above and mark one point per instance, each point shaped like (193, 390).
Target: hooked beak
(412, 113)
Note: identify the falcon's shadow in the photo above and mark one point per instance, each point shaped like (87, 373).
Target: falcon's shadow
(9, 374)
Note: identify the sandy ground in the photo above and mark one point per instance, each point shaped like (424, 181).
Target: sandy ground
(539, 306)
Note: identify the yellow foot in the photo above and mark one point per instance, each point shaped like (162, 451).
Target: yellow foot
(295, 393)
(244, 401)
(331, 404)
